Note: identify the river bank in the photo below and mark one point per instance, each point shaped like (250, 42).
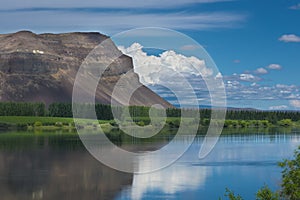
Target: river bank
(68, 124)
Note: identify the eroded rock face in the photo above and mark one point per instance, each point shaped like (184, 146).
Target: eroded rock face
(43, 67)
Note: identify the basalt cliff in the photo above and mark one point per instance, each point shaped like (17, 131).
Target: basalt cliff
(43, 67)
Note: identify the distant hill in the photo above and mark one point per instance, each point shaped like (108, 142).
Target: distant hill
(42, 67)
(229, 108)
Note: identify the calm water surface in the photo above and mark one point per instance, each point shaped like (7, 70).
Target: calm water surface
(57, 166)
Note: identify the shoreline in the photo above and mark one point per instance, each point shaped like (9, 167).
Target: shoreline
(67, 124)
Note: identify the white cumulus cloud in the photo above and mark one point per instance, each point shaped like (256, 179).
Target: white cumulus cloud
(289, 38)
(155, 69)
(248, 77)
(274, 66)
(295, 7)
(261, 71)
(295, 103)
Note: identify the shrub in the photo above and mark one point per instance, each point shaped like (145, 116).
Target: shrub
(285, 122)
(141, 123)
(37, 124)
(58, 124)
(113, 123)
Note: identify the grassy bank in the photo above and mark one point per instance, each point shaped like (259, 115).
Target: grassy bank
(58, 123)
(47, 123)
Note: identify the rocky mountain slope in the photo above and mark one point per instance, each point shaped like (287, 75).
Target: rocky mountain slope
(43, 67)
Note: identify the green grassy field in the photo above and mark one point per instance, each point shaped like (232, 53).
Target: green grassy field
(49, 123)
(43, 120)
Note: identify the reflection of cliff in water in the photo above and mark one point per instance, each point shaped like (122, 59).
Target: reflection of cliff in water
(46, 173)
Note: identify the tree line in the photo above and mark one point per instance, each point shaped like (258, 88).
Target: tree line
(22, 109)
(104, 112)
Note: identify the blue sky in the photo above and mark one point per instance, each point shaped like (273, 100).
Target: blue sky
(255, 44)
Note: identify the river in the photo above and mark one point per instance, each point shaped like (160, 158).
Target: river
(57, 166)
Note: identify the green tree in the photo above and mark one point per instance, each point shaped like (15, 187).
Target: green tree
(265, 193)
(290, 187)
(231, 196)
(291, 177)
